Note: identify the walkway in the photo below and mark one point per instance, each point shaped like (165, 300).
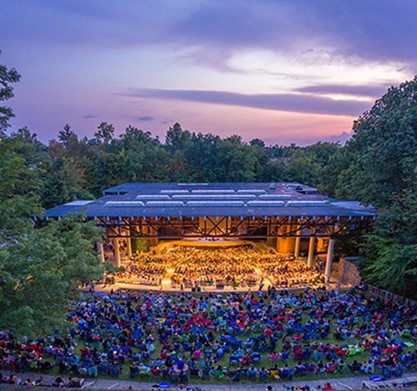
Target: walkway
(340, 384)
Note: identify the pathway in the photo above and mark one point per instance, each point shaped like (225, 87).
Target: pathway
(339, 384)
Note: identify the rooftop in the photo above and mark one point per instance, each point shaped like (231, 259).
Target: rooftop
(211, 199)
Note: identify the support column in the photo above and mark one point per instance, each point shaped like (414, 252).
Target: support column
(297, 247)
(117, 252)
(100, 249)
(129, 248)
(311, 251)
(329, 260)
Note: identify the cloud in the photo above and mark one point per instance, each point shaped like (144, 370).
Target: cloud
(359, 90)
(145, 118)
(341, 138)
(279, 102)
(383, 31)
(289, 55)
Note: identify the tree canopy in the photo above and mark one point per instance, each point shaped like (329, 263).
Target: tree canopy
(83, 168)
(379, 167)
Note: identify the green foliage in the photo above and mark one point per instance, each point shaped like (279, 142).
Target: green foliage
(379, 167)
(41, 271)
(391, 265)
(235, 161)
(84, 168)
(67, 137)
(71, 167)
(40, 267)
(330, 178)
(20, 182)
(303, 169)
(7, 78)
(105, 133)
(384, 148)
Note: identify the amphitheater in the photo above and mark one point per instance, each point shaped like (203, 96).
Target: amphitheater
(220, 236)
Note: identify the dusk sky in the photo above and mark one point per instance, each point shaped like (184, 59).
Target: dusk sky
(286, 71)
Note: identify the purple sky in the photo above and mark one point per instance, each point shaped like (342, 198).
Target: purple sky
(285, 70)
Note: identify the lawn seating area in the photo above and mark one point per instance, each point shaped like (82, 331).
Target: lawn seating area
(223, 338)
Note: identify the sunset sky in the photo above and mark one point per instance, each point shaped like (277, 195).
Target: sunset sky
(286, 71)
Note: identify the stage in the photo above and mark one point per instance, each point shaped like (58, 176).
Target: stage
(209, 243)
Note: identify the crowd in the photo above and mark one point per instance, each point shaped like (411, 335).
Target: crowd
(230, 267)
(233, 336)
(293, 274)
(59, 382)
(148, 271)
(241, 267)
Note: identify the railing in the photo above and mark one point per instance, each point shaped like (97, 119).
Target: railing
(347, 274)
(389, 296)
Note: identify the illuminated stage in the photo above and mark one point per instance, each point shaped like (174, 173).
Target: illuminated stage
(208, 243)
(217, 242)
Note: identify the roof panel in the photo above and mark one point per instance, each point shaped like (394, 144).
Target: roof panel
(275, 197)
(252, 191)
(265, 203)
(215, 203)
(164, 203)
(214, 196)
(174, 191)
(124, 203)
(212, 191)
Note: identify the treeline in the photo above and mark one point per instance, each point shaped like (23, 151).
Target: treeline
(74, 167)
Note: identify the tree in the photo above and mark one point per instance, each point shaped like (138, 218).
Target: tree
(236, 161)
(67, 137)
(384, 148)
(391, 264)
(40, 274)
(258, 142)
(303, 169)
(40, 267)
(330, 178)
(176, 138)
(273, 171)
(7, 78)
(383, 172)
(322, 152)
(201, 154)
(105, 133)
(20, 182)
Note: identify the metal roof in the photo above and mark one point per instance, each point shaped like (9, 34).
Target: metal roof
(212, 199)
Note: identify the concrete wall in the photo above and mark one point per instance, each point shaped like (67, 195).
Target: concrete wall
(346, 272)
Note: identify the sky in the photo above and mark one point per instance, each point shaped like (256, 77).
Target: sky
(285, 71)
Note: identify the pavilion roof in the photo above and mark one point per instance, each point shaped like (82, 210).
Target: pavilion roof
(212, 199)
